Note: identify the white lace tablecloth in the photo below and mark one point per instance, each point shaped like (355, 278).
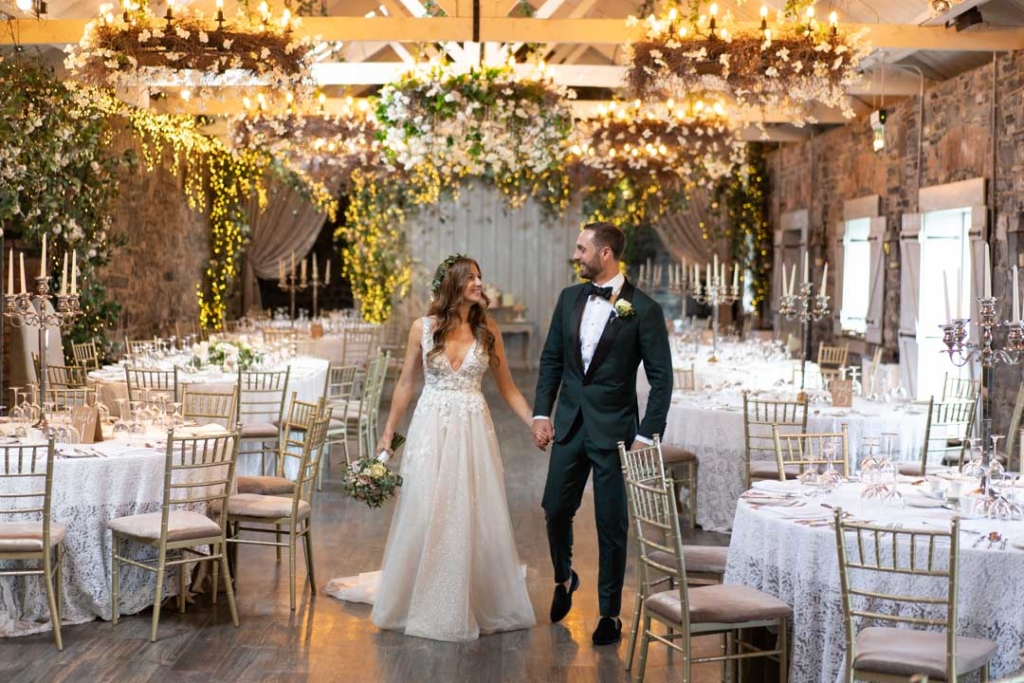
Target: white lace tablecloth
(87, 492)
(308, 378)
(798, 563)
(709, 422)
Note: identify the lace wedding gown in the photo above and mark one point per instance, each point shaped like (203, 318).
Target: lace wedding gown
(451, 570)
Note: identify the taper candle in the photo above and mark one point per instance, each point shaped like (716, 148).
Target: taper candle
(42, 263)
(988, 271)
(824, 278)
(1016, 296)
(807, 269)
(945, 292)
(10, 272)
(327, 275)
(21, 259)
(74, 272)
(64, 276)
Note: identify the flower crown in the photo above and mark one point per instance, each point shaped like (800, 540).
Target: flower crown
(442, 270)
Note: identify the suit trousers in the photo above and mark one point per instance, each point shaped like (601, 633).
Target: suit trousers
(572, 460)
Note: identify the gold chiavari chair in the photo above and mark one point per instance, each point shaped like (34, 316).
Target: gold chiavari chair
(830, 360)
(807, 451)
(341, 390)
(26, 479)
(685, 379)
(293, 513)
(280, 337)
(137, 347)
(962, 389)
(369, 403)
(301, 415)
(759, 419)
(705, 564)
(686, 612)
(64, 397)
(198, 472)
(359, 345)
(261, 399)
(307, 347)
(945, 436)
(208, 407)
(68, 376)
(164, 382)
(86, 355)
(186, 328)
(929, 559)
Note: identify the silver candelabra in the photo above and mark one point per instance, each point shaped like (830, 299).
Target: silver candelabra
(292, 284)
(31, 310)
(805, 306)
(961, 351)
(715, 293)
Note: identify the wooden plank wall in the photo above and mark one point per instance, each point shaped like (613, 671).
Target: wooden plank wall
(522, 252)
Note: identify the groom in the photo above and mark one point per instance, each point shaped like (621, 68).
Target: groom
(599, 334)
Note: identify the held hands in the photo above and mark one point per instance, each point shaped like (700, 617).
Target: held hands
(543, 433)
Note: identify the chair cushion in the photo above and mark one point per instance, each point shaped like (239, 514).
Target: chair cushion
(700, 559)
(260, 430)
(26, 537)
(265, 486)
(182, 525)
(768, 469)
(674, 454)
(720, 604)
(910, 468)
(903, 652)
(267, 507)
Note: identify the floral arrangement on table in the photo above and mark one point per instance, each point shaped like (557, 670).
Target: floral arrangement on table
(368, 479)
(229, 356)
(790, 65)
(193, 52)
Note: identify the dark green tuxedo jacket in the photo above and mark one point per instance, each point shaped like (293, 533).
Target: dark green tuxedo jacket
(606, 393)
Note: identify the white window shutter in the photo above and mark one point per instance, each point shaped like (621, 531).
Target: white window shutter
(876, 282)
(910, 282)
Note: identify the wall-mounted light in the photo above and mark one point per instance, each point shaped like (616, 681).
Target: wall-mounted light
(36, 7)
(878, 126)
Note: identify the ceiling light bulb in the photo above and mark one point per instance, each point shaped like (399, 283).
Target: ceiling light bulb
(810, 11)
(24, 5)
(764, 11)
(833, 18)
(713, 10)
(672, 14)
(186, 94)
(220, 4)
(682, 31)
(285, 17)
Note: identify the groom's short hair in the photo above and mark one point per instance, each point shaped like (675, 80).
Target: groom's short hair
(608, 235)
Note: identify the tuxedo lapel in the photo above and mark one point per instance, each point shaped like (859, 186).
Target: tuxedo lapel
(611, 331)
(577, 320)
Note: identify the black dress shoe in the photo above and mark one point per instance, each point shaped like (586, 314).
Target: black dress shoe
(561, 601)
(609, 631)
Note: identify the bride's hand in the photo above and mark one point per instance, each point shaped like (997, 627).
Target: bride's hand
(385, 444)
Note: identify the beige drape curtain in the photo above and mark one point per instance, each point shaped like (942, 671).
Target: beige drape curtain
(681, 232)
(289, 224)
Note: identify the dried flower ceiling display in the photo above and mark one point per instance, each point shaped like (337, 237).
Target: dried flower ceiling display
(184, 49)
(788, 65)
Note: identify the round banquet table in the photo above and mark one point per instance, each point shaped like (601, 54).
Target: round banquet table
(709, 422)
(308, 379)
(790, 553)
(91, 485)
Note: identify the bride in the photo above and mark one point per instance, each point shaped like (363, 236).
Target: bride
(450, 570)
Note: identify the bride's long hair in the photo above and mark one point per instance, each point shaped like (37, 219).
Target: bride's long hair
(445, 309)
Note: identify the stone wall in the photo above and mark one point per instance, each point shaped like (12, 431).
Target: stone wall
(953, 142)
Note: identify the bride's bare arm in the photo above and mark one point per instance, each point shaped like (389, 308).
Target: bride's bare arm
(506, 385)
(411, 369)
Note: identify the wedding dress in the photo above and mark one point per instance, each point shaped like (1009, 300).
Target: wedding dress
(450, 570)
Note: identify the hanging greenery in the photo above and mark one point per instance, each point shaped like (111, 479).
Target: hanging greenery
(58, 176)
(745, 195)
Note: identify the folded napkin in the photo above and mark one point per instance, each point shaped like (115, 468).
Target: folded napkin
(772, 486)
(202, 430)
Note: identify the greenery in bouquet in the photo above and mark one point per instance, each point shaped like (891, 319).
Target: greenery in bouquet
(369, 480)
(229, 356)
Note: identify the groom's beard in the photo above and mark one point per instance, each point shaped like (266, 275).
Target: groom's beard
(587, 270)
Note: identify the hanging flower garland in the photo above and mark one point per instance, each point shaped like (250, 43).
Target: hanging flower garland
(639, 165)
(790, 65)
(192, 52)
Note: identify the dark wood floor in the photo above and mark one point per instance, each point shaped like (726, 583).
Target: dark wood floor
(328, 640)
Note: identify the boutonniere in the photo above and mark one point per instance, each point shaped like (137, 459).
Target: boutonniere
(624, 309)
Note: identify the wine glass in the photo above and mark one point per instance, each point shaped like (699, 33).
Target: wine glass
(830, 478)
(121, 427)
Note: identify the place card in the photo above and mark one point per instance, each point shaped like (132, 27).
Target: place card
(316, 331)
(842, 393)
(86, 420)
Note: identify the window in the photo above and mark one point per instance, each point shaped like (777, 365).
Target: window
(856, 276)
(945, 251)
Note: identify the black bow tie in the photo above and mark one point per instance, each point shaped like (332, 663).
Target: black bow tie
(603, 292)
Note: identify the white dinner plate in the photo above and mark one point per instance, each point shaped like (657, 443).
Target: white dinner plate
(1017, 542)
(919, 501)
(776, 486)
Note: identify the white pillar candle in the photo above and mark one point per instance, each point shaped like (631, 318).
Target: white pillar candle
(10, 272)
(42, 263)
(945, 292)
(280, 269)
(293, 264)
(792, 280)
(988, 272)
(21, 259)
(721, 280)
(304, 269)
(74, 272)
(64, 276)
(716, 265)
(824, 277)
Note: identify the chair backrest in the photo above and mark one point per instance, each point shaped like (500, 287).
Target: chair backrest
(138, 347)
(963, 389)
(69, 376)
(832, 356)
(86, 355)
(26, 479)
(164, 381)
(652, 510)
(185, 328)
(359, 345)
(261, 394)
(280, 337)
(759, 419)
(946, 430)
(930, 556)
(376, 374)
(198, 472)
(685, 379)
(808, 451)
(313, 449)
(306, 346)
(1013, 431)
(341, 385)
(295, 431)
(65, 397)
(208, 407)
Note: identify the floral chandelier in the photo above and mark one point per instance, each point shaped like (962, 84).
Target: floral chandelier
(789, 65)
(184, 49)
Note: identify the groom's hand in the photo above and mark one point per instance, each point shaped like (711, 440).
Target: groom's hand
(543, 433)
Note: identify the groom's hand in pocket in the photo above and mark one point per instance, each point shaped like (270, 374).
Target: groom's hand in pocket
(543, 433)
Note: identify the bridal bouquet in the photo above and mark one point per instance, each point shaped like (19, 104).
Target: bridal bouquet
(369, 480)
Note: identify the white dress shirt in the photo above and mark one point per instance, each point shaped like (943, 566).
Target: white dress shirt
(596, 315)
